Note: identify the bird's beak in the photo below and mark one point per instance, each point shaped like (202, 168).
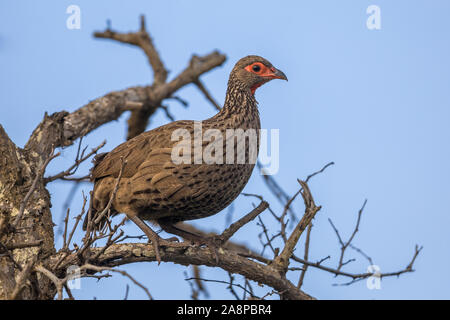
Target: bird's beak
(277, 74)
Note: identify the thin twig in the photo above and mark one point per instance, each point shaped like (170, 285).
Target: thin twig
(320, 171)
(231, 230)
(344, 245)
(221, 281)
(59, 283)
(305, 256)
(360, 276)
(122, 272)
(281, 262)
(78, 160)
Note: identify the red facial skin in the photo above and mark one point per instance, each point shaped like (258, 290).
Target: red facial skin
(264, 72)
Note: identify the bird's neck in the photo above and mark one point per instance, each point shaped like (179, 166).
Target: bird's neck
(240, 105)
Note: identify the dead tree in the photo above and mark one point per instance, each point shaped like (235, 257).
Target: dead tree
(31, 267)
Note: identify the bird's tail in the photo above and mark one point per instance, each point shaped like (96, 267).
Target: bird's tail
(95, 209)
(90, 215)
(96, 219)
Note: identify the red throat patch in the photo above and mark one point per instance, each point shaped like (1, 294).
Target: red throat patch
(256, 86)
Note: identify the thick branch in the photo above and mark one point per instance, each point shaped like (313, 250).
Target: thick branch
(159, 90)
(121, 254)
(23, 199)
(139, 117)
(198, 65)
(62, 129)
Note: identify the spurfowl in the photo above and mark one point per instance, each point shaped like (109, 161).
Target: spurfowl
(156, 188)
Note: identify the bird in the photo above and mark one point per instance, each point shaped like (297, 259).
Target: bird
(148, 185)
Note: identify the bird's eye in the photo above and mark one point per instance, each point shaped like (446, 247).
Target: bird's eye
(256, 68)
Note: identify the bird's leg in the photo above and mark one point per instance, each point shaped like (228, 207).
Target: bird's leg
(170, 228)
(151, 235)
(214, 242)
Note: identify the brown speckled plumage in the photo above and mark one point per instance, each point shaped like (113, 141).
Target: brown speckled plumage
(153, 188)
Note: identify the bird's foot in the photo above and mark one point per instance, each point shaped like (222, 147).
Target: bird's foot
(212, 242)
(158, 242)
(154, 238)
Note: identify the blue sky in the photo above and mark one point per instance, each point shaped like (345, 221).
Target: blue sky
(376, 102)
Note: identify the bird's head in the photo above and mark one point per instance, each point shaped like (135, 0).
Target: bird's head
(254, 71)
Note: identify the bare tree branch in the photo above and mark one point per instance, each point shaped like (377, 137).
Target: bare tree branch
(344, 245)
(63, 128)
(305, 256)
(229, 283)
(206, 93)
(120, 254)
(122, 272)
(361, 276)
(229, 232)
(80, 158)
(141, 39)
(282, 261)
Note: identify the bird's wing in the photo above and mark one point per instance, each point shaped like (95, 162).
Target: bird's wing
(161, 173)
(135, 151)
(171, 181)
